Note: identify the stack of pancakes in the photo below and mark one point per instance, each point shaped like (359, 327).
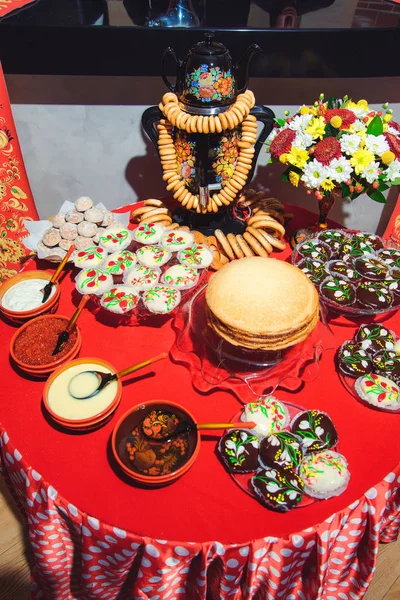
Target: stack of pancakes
(262, 304)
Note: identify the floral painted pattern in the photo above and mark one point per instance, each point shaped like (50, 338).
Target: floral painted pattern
(210, 84)
(8, 6)
(16, 201)
(185, 156)
(226, 155)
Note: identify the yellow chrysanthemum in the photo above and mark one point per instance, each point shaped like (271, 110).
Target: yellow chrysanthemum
(387, 118)
(360, 104)
(316, 128)
(294, 178)
(283, 158)
(305, 110)
(327, 185)
(361, 159)
(388, 157)
(336, 122)
(297, 158)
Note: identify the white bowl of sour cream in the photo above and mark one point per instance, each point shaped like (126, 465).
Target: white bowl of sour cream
(21, 296)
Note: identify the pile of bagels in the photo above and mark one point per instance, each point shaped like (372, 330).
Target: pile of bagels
(264, 227)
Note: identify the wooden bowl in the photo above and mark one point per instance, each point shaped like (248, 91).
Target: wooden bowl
(45, 369)
(22, 316)
(131, 419)
(98, 417)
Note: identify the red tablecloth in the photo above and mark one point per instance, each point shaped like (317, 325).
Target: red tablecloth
(328, 546)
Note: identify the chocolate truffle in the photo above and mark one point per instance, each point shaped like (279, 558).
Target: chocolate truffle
(280, 449)
(239, 451)
(325, 474)
(387, 363)
(374, 295)
(278, 489)
(378, 391)
(345, 269)
(390, 256)
(353, 360)
(371, 268)
(374, 337)
(314, 269)
(354, 248)
(372, 240)
(333, 237)
(316, 430)
(314, 249)
(338, 290)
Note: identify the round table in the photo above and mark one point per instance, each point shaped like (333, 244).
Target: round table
(95, 534)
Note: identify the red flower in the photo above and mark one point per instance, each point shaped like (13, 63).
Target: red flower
(347, 116)
(123, 304)
(91, 273)
(91, 284)
(90, 256)
(82, 253)
(102, 277)
(394, 143)
(326, 150)
(282, 143)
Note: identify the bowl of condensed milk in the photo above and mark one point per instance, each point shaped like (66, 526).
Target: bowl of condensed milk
(21, 296)
(81, 414)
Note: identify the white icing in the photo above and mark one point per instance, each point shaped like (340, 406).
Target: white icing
(268, 414)
(181, 277)
(64, 405)
(153, 256)
(177, 239)
(26, 295)
(382, 397)
(115, 238)
(93, 281)
(197, 256)
(141, 277)
(161, 299)
(325, 474)
(148, 233)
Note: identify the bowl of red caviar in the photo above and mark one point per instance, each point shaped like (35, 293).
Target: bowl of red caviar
(151, 462)
(32, 345)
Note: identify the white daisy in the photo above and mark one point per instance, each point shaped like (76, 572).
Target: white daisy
(393, 170)
(302, 141)
(340, 169)
(359, 126)
(392, 130)
(350, 143)
(359, 111)
(371, 172)
(376, 144)
(272, 135)
(300, 122)
(314, 174)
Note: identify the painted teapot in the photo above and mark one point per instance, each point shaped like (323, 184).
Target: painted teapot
(208, 78)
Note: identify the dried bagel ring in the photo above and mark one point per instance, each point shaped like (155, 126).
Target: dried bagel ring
(154, 202)
(185, 199)
(170, 175)
(255, 244)
(218, 125)
(211, 124)
(199, 126)
(275, 214)
(236, 184)
(173, 226)
(181, 120)
(247, 251)
(195, 201)
(275, 242)
(223, 120)
(158, 211)
(214, 206)
(217, 199)
(227, 196)
(224, 243)
(233, 118)
(238, 113)
(238, 252)
(169, 97)
(155, 218)
(242, 108)
(258, 234)
(271, 225)
(193, 123)
(166, 221)
(206, 128)
(190, 203)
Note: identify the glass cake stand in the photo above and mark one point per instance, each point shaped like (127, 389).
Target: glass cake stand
(216, 364)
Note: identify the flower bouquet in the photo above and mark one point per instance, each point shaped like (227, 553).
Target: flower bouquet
(338, 148)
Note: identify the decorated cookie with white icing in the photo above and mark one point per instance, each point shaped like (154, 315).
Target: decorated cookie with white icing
(198, 256)
(177, 239)
(120, 299)
(324, 474)
(180, 277)
(378, 391)
(148, 233)
(115, 238)
(142, 278)
(93, 281)
(161, 299)
(92, 257)
(268, 414)
(153, 256)
(119, 262)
